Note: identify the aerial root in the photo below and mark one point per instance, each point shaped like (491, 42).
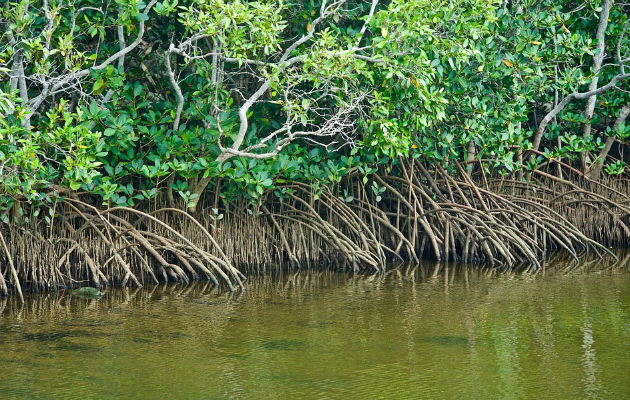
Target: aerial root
(465, 222)
(158, 251)
(405, 214)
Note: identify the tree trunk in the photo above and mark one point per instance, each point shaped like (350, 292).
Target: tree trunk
(597, 65)
(595, 169)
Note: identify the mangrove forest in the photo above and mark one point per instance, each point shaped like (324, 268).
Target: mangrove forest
(151, 141)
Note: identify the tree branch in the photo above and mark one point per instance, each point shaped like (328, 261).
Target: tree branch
(573, 96)
(597, 65)
(66, 79)
(367, 21)
(121, 61)
(596, 168)
(176, 88)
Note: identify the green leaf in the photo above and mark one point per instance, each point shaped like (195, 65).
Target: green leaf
(98, 86)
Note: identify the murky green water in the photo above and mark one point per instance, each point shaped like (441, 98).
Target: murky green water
(455, 333)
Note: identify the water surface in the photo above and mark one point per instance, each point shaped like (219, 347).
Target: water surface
(435, 332)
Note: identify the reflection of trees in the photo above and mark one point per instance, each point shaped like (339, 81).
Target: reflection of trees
(514, 326)
(592, 385)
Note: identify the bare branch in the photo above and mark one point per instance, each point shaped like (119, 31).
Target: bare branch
(121, 61)
(367, 21)
(596, 167)
(324, 12)
(573, 96)
(342, 123)
(242, 114)
(180, 50)
(176, 88)
(619, 60)
(64, 80)
(597, 64)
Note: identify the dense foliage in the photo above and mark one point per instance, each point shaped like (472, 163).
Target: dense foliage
(127, 99)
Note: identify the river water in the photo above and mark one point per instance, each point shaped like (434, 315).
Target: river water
(434, 332)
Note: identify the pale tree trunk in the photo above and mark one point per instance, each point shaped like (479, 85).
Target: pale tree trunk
(217, 79)
(555, 103)
(595, 169)
(197, 188)
(471, 154)
(519, 152)
(17, 80)
(178, 112)
(540, 131)
(23, 90)
(597, 65)
(121, 61)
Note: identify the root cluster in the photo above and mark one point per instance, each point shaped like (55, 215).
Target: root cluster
(408, 214)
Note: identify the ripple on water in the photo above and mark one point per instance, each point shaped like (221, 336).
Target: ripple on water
(59, 335)
(78, 347)
(283, 344)
(446, 340)
(20, 393)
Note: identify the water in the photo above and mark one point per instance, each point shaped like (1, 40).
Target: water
(452, 333)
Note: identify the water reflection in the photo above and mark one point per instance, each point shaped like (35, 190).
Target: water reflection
(429, 331)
